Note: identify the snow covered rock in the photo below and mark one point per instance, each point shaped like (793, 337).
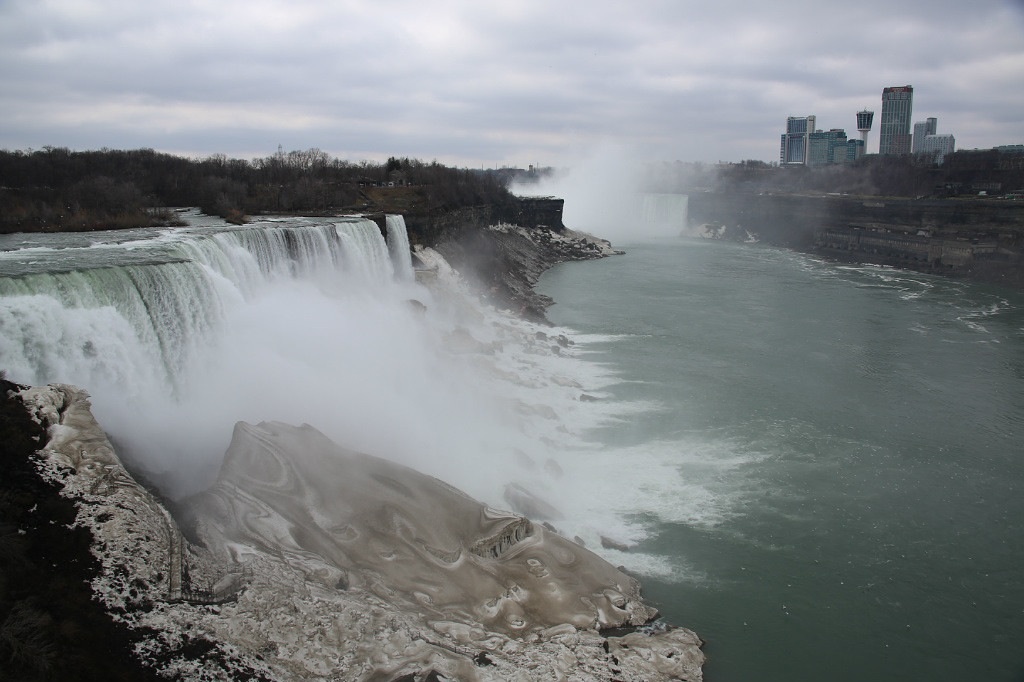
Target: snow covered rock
(306, 561)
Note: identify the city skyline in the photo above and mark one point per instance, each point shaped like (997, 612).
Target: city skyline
(803, 143)
(493, 84)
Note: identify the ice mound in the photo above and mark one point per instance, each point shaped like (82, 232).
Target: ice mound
(353, 520)
(306, 561)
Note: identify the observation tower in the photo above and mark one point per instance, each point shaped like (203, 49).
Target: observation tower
(864, 120)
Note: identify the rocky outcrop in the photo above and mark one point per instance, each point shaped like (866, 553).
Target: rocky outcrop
(429, 225)
(51, 625)
(308, 561)
(508, 260)
(541, 212)
(144, 567)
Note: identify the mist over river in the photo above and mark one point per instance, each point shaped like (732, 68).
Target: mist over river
(853, 439)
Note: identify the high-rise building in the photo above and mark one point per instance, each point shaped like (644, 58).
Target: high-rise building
(937, 146)
(897, 104)
(854, 150)
(826, 147)
(923, 129)
(793, 146)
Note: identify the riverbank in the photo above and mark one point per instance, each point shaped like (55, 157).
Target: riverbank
(972, 238)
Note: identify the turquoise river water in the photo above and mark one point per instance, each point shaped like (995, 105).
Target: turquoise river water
(857, 435)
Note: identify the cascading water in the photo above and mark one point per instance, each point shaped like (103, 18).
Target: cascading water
(398, 244)
(173, 331)
(129, 326)
(664, 214)
(167, 292)
(179, 334)
(365, 252)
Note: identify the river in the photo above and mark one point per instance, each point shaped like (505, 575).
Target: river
(844, 446)
(816, 467)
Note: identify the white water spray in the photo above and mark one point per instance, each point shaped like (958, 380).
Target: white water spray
(306, 321)
(185, 332)
(604, 195)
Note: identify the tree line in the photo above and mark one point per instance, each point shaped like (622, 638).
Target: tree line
(62, 190)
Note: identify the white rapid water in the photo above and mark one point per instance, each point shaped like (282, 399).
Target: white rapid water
(664, 214)
(398, 245)
(179, 334)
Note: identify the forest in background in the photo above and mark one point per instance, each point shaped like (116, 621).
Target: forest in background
(56, 189)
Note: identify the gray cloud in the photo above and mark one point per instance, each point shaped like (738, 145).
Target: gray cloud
(496, 83)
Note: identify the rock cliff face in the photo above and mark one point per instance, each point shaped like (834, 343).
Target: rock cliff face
(429, 226)
(974, 238)
(306, 561)
(507, 260)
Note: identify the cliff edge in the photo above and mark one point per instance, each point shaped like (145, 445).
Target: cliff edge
(506, 261)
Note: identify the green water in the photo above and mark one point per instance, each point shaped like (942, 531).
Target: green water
(860, 434)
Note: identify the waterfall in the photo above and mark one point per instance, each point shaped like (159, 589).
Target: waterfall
(665, 213)
(398, 244)
(179, 334)
(365, 252)
(149, 305)
(108, 324)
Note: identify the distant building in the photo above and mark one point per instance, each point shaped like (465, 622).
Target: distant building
(927, 141)
(864, 120)
(793, 147)
(802, 145)
(936, 146)
(854, 150)
(826, 147)
(897, 105)
(923, 129)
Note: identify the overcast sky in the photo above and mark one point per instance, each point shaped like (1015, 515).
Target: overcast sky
(492, 83)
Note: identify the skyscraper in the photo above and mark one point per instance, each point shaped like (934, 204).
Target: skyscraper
(897, 104)
(793, 146)
(826, 147)
(923, 129)
(937, 147)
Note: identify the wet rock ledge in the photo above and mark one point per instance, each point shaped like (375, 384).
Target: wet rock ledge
(508, 260)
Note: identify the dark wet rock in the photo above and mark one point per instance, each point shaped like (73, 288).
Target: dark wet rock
(508, 260)
(609, 543)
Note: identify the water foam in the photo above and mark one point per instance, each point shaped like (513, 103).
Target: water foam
(308, 321)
